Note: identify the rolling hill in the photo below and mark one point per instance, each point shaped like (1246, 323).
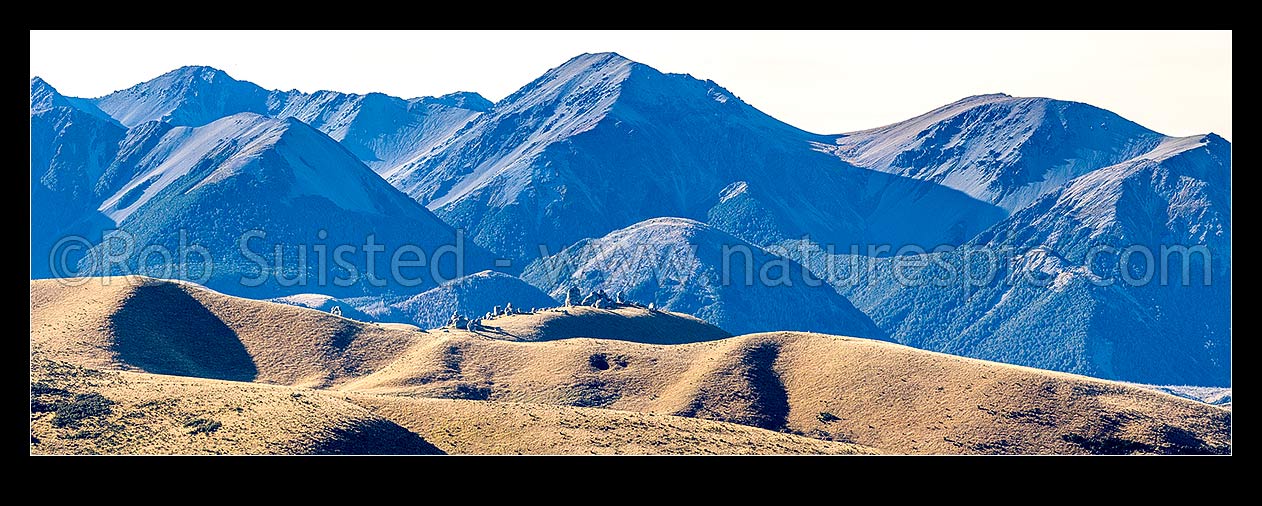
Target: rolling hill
(173, 328)
(1087, 253)
(870, 393)
(617, 322)
(77, 411)
(510, 428)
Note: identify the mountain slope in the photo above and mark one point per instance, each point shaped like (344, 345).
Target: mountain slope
(1055, 297)
(380, 130)
(1177, 193)
(470, 296)
(215, 183)
(44, 96)
(681, 265)
(187, 96)
(601, 142)
(252, 179)
(1000, 149)
(72, 152)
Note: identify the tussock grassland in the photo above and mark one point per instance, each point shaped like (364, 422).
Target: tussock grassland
(519, 387)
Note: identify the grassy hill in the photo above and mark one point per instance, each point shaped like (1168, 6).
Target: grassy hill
(522, 384)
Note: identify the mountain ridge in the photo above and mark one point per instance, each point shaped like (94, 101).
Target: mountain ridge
(1065, 258)
(998, 148)
(600, 144)
(278, 174)
(381, 130)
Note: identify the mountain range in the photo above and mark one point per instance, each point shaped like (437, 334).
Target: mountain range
(240, 182)
(605, 174)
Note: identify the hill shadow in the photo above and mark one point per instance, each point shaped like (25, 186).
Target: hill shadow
(162, 329)
(375, 437)
(747, 391)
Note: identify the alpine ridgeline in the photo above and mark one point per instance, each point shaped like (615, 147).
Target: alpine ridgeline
(601, 143)
(605, 174)
(1115, 261)
(247, 204)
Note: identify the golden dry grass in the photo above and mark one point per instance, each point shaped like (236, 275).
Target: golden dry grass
(78, 410)
(143, 324)
(873, 394)
(876, 394)
(510, 428)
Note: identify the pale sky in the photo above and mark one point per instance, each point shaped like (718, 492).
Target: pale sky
(1177, 83)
